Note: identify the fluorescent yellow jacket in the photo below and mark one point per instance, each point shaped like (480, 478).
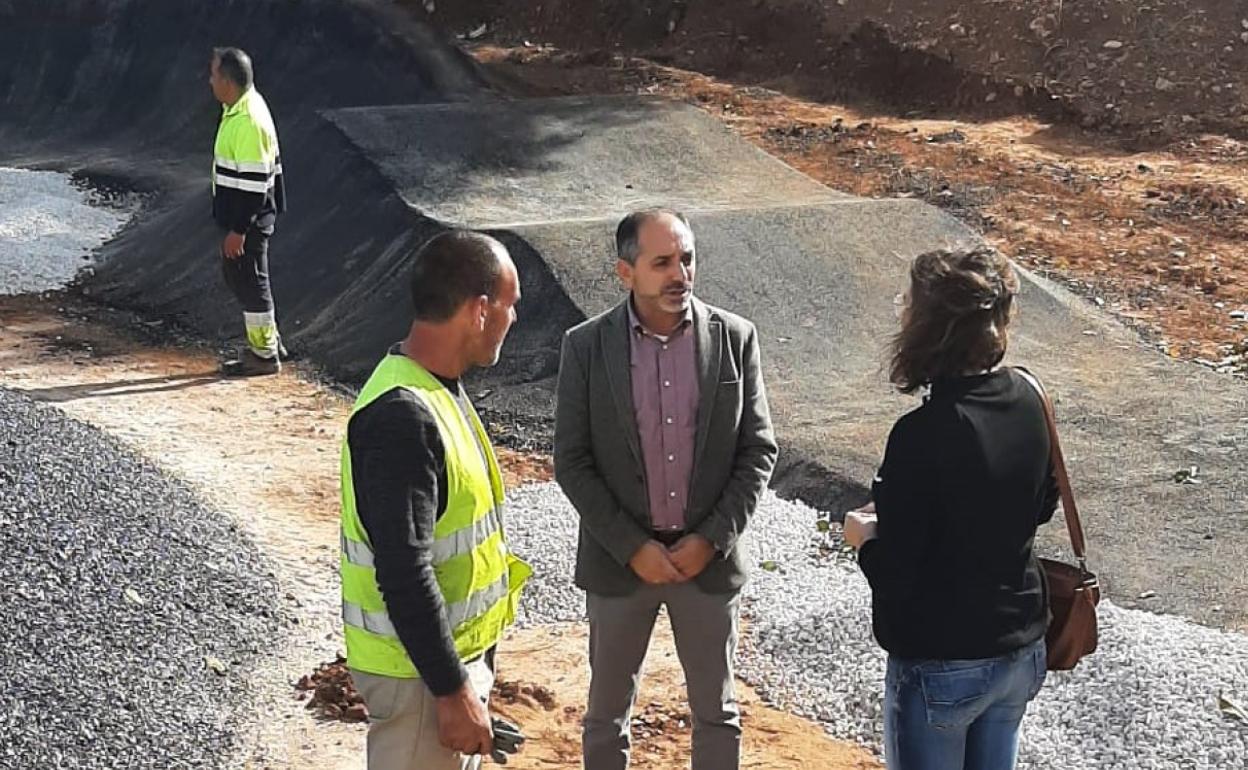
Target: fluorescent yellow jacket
(248, 188)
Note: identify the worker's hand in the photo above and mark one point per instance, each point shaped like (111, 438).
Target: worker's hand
(691, 554)
(860, 526)
(232, 248)
(653, 564)
(464, 723)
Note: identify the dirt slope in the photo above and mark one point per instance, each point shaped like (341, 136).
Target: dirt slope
(1162, 65)
(1157, 236)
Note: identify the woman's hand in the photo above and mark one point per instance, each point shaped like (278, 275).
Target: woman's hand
(860, 526)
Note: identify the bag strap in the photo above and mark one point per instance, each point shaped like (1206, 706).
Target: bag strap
(1073, 524)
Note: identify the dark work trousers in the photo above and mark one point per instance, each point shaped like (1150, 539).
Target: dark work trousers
(248, 277)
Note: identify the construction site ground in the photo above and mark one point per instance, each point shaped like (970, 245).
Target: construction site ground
(167, 401)
(1150, 227)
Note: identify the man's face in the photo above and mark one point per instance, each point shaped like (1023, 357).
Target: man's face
(499, 313)
(662, 278)
(220, 84)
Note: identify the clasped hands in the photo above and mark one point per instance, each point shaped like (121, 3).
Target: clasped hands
(657, 564)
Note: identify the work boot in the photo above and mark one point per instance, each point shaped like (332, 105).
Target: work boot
(248, 364)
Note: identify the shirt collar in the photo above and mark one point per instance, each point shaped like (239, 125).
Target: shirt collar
(634, 323)
(229, 110)
(452, 385)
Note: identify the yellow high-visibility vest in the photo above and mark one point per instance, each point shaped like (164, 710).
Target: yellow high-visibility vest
(479, 577)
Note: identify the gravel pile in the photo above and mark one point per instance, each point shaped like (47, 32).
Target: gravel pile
(131, 614)
(49, 227)
(1147, 699)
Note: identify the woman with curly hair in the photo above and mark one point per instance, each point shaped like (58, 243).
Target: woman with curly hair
(958, 598)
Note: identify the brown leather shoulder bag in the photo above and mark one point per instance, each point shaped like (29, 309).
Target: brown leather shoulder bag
(1074, 591)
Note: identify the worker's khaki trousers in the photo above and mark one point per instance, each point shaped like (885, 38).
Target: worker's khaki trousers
(403, 722)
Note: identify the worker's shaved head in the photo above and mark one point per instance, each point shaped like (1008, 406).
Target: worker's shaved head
(235, 65)
(452, 268)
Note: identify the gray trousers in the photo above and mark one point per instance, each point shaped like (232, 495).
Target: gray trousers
(705, 629)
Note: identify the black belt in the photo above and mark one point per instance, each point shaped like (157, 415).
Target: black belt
(668, 536)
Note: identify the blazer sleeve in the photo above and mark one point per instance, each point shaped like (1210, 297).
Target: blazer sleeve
(576, 468)
(755, 457)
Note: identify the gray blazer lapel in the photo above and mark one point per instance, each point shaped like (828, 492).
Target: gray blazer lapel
(710, 333)
(616, 354)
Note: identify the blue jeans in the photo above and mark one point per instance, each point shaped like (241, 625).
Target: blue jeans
(959, 714)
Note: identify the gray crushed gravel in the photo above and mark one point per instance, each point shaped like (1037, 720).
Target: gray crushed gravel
(1148, 698)
(118, 588)
(49, 226)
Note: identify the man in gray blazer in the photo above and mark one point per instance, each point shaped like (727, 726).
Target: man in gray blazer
(663, 443)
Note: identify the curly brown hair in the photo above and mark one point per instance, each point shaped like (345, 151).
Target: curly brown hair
(959, 306)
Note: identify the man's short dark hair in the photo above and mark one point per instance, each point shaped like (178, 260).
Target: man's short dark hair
(626, 245)
(235, 65)
(452, 268)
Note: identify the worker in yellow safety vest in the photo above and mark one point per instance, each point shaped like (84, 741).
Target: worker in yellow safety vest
(428, 581)
(248, 192)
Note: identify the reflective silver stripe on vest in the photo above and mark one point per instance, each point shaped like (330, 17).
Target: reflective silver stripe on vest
(465, 539)
(246, 185)
(358, 554)
(251, 167)
(372, 622)
(478, 603)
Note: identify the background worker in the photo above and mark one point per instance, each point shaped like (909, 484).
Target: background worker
(247, 195)
(428, 582)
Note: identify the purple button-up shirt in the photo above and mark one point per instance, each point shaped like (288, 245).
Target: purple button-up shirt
(665, 403)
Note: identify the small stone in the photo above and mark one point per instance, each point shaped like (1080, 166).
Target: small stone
(216, 664)
(1112, 45)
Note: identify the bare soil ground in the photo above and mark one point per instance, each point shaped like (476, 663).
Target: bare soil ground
(1155, 232)
(265, 451)
(1160, 68)
(550, 707)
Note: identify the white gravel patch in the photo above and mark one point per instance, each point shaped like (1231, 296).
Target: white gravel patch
(49, 227)
(1147, 699)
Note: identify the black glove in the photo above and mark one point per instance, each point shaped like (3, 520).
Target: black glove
(507, 740)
